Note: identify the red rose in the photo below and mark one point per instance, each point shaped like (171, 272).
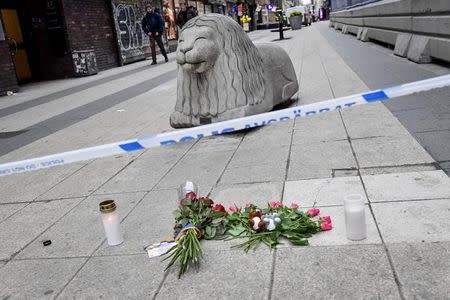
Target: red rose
(206, 200)
(218, 208)
(191, 195)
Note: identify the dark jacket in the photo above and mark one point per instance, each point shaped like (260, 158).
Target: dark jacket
(184, 16)
(152, 22)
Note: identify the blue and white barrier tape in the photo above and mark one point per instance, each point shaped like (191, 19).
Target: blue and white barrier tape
(222, 127)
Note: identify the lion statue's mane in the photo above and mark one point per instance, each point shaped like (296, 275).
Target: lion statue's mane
(236, 78)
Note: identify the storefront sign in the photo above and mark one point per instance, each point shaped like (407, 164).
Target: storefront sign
(131, 39)
(53, 15)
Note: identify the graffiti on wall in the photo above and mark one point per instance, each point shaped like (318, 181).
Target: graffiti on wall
(84, 62)
(130, 37)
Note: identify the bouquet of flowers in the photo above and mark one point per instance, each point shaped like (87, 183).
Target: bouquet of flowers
(195, 219)
(199, 218)
(245, 19)
(269, 224)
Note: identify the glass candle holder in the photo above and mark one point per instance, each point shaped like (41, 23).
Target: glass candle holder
(355, 217)
(111, 222)
(187, 187)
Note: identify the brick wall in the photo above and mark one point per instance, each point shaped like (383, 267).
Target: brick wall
(90, 25)
(8, 81)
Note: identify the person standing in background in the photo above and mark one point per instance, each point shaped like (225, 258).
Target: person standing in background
(153, 26)
(185, 14)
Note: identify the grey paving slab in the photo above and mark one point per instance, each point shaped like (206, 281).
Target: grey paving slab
(79, 232)
(7, 210)
(89, 178)
(311, 81)
(437, 143)
(37, 279)
(23, 227)
(222, 275)
(321, 128)
(372, 120)
(112, 277)
(247, 157)
(255, 173)
(201, 168)
(390, 151)
(341, 272)
(143, 173)
(150, 222)
(422, 269)
(44, 111)
(317, 160)
(26, 187)
(218, 143)
(240, 194)
(397, 169)
(321, 192)
(274, 135)
(407, 186)
(70, 117)
(62, 93)
(413, 221)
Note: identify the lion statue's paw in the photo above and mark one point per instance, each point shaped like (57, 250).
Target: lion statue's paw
(180, 120)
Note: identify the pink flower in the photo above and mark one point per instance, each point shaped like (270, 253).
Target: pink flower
(218, 208)
(248, 205)
(294, 205)
(275, 204)
(325, 226)
(326, 219)
(233, 208)
(313, 211)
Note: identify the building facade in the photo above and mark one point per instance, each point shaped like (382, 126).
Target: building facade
(51, 39)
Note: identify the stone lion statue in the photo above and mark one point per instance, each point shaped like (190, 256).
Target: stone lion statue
(222, 75)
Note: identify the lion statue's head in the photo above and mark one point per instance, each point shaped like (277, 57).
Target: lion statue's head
(219, 68)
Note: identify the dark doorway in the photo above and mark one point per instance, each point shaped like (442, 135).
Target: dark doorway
(35, 30)
(14, 33)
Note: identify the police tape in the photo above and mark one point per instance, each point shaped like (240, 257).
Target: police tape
(189, 134)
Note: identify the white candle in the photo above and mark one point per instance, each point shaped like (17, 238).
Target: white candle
(111, 222)
(189, 187)
(185, 188)
(355, 217)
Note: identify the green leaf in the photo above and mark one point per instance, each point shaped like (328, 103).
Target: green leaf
(299, 242)
(213, 232)
(237, 230)
(216, 221)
